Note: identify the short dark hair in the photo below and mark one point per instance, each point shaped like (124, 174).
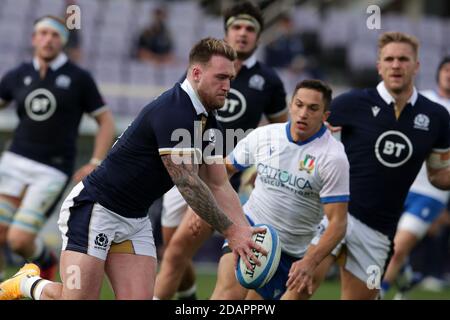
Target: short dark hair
(208, 47)
(317, 85)
(443, 62)
(245, 7)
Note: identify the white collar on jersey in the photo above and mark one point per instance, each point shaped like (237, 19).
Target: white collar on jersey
(198, 105)
(250, 62)
(56, 63)
(382, 91)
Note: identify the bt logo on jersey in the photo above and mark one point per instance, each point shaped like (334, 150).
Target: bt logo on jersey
(40, 104)
(234, 107)
(393, 149)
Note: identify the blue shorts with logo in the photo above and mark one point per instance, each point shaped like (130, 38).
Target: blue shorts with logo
(276, 287)
(423, 207)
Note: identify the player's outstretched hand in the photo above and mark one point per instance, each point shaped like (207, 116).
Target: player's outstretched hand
(301, 276)
(240, 241)
(83, 172)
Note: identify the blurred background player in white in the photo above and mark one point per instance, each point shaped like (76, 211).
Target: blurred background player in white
(256, 91)
(51, 94)
(388, 132)
(104, 222)
(302, 173)
(424, 203)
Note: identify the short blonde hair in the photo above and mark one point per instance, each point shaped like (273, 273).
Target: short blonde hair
(208, 47)
(389, 37)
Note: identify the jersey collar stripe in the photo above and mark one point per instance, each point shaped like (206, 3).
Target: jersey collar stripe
(57, 63)
(187, 87)
(250, 62)
(318, 134)
(386, 96)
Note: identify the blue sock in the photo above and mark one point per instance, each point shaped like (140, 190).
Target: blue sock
(385, 286)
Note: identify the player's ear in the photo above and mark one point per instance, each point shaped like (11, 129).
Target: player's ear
(196, 73)
(326, 114)
(416, 69)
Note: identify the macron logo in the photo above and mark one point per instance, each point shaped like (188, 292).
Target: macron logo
(375, 110)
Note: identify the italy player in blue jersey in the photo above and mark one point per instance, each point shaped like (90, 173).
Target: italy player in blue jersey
(104, 222)
(388, 132)
(51, 95)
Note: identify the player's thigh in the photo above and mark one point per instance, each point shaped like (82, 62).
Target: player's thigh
(131, 276)
(353, 288)
(367, 255)
(404, 241)
(167, 234)
(81, 275)
(420, 212)
(227, 286)
(40, 198)
(183, 241)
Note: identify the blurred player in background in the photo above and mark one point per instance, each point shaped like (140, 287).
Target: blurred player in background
(388, 132)
(424, 202)
(255, 91)
(302, 173)
(51, 94)
(104, 222)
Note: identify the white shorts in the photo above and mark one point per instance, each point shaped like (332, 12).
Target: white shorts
(40, 185)
(173, 209)
(90, 228)
(413, 224)
(366, 250)
(420, 212)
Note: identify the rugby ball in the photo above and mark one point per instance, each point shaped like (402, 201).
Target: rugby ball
(260, 275)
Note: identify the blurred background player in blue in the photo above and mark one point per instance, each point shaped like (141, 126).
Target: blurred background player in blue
(424, 203)
(388, 132)
(51, 94)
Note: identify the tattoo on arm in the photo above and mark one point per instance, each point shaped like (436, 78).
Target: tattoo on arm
(196, 193)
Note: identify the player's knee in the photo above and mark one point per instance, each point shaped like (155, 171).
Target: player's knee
(174, 255)
(230, 293)
(399, 255)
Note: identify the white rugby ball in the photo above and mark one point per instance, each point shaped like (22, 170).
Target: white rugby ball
(260, 275)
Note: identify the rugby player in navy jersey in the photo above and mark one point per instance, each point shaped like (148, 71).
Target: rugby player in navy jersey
(388, 132)
(424, 205)
(51, 94)
(104, 222)
(255, 91)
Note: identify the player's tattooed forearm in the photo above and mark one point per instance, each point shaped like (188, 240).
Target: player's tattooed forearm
(197, 194)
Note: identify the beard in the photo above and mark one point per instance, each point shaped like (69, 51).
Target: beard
(210, 103)
(241, 55)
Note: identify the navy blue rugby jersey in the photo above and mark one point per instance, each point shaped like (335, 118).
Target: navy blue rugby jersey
(133, 175)
(255, 91)
(50, 110)
(386, 153)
